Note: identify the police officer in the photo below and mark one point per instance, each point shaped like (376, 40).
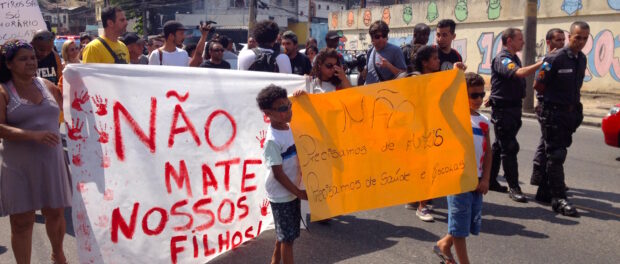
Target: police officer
(559, 80)
(555, 41)
(507, 92)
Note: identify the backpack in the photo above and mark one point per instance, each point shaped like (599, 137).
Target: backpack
(264, 61)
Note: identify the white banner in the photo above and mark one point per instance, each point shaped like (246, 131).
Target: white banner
(166, 161)
(19, 19)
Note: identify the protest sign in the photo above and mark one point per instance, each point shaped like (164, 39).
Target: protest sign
(385, 144)
(20, 19)
(166, 161)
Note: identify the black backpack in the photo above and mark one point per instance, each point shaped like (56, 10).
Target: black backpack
(264, 61)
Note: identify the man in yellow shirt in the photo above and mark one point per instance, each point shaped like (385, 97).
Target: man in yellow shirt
(107, 48)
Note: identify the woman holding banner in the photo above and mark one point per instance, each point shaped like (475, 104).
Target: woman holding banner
(425, 60)
(33, 174)
(327, 74)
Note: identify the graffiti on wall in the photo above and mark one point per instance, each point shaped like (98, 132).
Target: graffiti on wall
(386, 15)
(334, 20)
(407, 14)
(367, 17)
(495, 6)
(460, 10)
(432, 12)
(350, 19)
(600, 50)
(571, 6)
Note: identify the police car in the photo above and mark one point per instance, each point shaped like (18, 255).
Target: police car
(611, 127)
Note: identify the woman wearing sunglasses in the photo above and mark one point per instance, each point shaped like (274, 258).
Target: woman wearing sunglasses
(327, 73)
(70, 52)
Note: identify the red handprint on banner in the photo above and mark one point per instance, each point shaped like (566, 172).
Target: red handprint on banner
(105, 159)
(263, 207)
(101, 104)
(79, 100)
(77, 157)
(104, 137)
(266, 119)
(75, 129)
(261, 138)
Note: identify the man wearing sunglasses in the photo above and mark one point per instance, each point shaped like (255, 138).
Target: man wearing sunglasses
(507, 93)
(49, 65)
(559, 80)
(385, 60)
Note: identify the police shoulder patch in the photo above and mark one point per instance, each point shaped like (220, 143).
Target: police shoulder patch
(511, 66)
(506, 61)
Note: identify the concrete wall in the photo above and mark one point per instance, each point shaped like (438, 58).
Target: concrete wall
(479, 26)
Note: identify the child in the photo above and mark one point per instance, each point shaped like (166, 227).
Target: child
(283, 182)
(465, 209)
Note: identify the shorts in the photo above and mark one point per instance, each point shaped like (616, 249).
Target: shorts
(287, 217)
(464, 214)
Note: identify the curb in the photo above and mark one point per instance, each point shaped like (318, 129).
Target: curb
(585, 122)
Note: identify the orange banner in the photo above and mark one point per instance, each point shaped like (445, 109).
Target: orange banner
(385, 144)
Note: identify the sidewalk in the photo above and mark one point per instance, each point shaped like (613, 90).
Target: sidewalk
(595, 107)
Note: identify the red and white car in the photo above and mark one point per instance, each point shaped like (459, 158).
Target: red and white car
(611, 127)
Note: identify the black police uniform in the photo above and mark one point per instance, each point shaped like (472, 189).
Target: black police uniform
(507, 92)
(540, 157)
(562, 74)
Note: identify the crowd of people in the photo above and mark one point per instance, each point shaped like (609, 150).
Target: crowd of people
(35, 176)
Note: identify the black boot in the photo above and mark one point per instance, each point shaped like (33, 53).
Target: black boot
(564, 207)
(516, 195)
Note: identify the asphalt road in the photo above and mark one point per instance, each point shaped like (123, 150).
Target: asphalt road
(511, 232)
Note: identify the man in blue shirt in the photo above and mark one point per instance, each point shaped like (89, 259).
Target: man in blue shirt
(385, 61)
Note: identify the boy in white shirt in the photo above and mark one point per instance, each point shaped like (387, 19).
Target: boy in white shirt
(465, 209)
(284, 178)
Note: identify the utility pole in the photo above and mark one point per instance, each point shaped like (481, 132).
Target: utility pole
(144, 20)
(252, 20)
(529, 52)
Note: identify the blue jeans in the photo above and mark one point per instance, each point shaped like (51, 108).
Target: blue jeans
(464, 214)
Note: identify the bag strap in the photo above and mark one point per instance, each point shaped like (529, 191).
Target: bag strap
(161, 56)
(374, 65)
(116, 59)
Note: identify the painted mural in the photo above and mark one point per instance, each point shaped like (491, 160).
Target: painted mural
(478, 45)
(460, 10)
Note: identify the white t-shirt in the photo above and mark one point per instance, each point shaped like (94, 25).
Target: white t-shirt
(280, 150)
(247, 57)
(178, 57)
(316, 86)
(480, 125)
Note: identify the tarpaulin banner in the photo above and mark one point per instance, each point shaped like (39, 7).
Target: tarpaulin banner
(166, 161)
(385, 144)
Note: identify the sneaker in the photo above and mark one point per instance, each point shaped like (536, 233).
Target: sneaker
(429, 205)
(424, 215)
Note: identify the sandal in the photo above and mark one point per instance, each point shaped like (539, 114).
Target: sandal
(444, 259)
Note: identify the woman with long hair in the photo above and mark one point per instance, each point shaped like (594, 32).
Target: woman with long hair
(426, 60)
(327, 74)
(70, 52)
(34, 176)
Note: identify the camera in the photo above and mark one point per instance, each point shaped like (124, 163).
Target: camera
(208, 22)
